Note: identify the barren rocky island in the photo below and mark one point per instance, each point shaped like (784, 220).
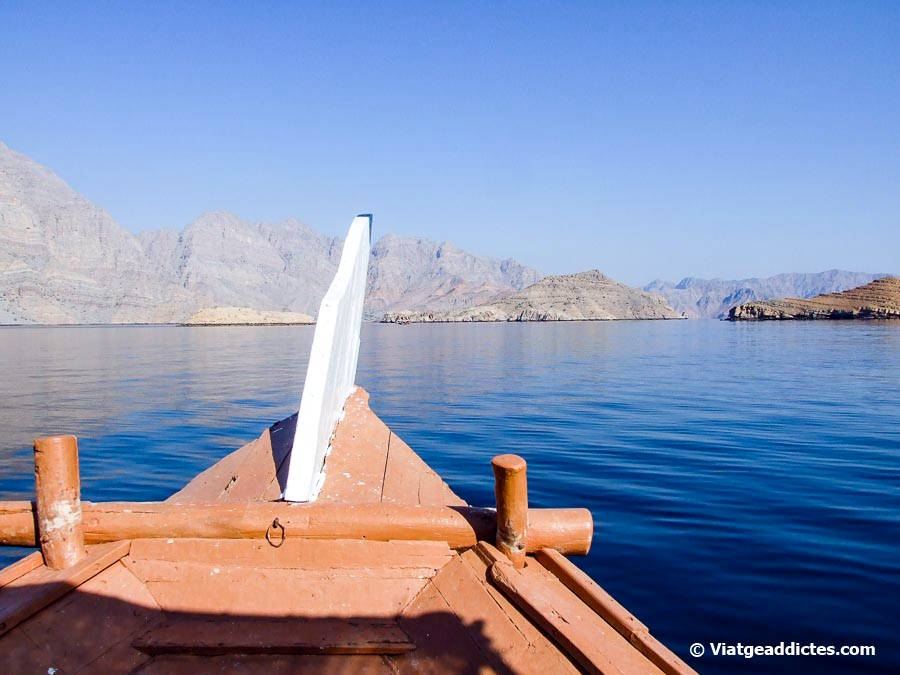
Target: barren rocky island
(877, 300)
(586, 296)
(246, 316)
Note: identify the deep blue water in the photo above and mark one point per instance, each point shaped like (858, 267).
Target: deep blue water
(744, 478)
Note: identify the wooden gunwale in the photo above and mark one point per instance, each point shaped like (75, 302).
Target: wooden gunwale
(569, 530)
(455, 610)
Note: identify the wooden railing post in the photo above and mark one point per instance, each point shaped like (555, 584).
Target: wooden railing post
(511, 492)
(57, 488)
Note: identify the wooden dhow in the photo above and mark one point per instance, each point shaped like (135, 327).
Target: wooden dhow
(383, 569)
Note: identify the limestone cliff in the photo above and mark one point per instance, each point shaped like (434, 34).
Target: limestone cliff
(587, 296)
(415, 273)
(712, 298)
(64, 260)
(877, 300)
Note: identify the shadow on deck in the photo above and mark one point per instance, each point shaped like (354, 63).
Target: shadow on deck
(88, 631)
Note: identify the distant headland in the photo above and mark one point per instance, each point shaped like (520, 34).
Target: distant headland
(245, 316)
(586, 296)
(877, 300)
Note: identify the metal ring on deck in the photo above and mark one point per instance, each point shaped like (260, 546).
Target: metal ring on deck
(275, 524)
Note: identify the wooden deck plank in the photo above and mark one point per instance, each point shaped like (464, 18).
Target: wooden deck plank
(21, 567)
(255, 475)
(590, 592)
(212, 636)
(664, 658)
(99, 615)
(595, 597)
(402, 475)
(409, 480)
(210, 484)
(585, 637)
(32, 592)
(430, 487)
(480, 560)
(433, 491)
(21, 655)
(537, 644)
(354, 470)
(444, 643)
(414, 558)
(369, 463)
(499, 634)
(271, 665)
(170, 571)
(121, 658)
(245, 474)
(277, 592)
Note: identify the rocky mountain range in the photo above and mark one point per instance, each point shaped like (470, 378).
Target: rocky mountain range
(877, 300)
(712, 298)
(64, 260)
(411, 273)
(586, 296)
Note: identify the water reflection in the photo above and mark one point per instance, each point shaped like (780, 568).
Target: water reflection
(743, 478)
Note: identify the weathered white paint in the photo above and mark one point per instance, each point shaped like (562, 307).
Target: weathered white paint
(61, 515)
(332, 364)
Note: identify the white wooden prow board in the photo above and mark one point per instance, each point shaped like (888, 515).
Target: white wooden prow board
(332, 365)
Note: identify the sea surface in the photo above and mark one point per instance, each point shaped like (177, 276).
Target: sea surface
(744, 478)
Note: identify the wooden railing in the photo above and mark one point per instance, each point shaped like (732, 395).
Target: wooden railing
(61, 524)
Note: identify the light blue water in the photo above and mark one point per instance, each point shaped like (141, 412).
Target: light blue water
(744, 478)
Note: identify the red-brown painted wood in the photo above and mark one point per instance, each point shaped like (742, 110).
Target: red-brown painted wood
(57, 489)
(461, 527)
(32, 592)
(511, 492)
(211, 636)
(17, 569)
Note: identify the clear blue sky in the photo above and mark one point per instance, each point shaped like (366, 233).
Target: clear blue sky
(644, 139)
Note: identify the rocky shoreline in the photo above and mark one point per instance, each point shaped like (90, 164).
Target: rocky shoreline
(586, 296)
(245, 316)
(877, 300)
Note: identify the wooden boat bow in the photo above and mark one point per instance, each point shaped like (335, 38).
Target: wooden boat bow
(401, 575)
(385, 570)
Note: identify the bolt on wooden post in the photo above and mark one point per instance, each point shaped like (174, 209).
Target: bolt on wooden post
(511, 492)
(57, 488)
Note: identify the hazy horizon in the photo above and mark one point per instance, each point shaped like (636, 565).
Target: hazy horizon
(648, 142)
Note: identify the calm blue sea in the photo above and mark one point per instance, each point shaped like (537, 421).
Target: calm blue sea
(744, 478)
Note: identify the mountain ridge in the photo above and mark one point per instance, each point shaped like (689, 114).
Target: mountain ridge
(60, 253)
(583, 296)
(712, 298)
(879, 299)
(64, 260)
